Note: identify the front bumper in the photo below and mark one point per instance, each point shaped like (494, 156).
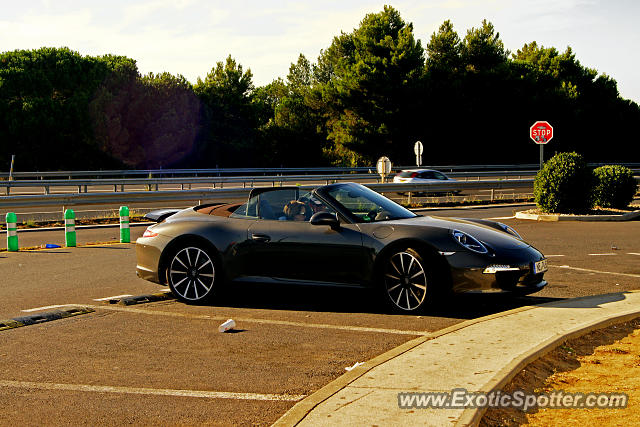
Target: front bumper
(473, 273)
(522, 281)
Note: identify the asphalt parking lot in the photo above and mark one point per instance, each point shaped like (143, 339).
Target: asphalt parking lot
(164, 362)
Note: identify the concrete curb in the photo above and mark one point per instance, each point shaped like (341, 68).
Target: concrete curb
(300, 410)
(472, 207)
(473, 416)
(556, 217)
(469, 416)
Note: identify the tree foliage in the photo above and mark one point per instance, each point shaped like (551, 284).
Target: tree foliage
(373, 91)
(229, 117)
(293, 133)
(149, 122)
(366, 86)
(482, 48)
(44, 118)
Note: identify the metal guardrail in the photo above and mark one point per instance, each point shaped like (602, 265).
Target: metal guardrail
(225, 194)
(82, 185)
(273, 171)
(247, 171)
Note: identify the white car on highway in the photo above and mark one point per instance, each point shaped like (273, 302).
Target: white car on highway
(420, 176)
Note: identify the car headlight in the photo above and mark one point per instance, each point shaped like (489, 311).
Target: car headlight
(509, 230)
(469, 242)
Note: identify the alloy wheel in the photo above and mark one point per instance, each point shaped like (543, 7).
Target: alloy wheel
(405, 281)
(192, 274)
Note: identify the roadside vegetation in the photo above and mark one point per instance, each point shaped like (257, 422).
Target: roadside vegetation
(372, 91)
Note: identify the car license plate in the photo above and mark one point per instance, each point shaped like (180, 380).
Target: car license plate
(540, 266)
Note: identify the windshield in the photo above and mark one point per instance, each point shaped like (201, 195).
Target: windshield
(366, 205)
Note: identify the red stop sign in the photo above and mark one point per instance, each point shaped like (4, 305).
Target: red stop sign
(541, 132)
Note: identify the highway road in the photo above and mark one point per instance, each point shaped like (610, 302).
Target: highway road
(165, 363)
(92, 211)
(105, 211)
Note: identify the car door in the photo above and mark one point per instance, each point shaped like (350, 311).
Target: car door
(300, 251)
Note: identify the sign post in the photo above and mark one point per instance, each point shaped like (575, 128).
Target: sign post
(383, 166)
(13, 158)
(418, 148)
(541, 133)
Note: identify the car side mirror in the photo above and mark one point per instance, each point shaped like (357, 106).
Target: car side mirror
(325, 218)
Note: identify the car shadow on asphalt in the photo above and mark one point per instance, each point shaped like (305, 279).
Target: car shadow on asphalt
(347, 300)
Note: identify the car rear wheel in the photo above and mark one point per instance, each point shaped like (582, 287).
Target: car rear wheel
(192, 275)
(407, 281)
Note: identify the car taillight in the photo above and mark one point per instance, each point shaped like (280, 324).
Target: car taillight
(414, 174)
(149, 233)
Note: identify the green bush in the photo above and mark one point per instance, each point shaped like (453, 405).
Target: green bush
(564, 185)
(614, 186)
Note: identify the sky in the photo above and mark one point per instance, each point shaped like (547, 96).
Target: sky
(189, 37)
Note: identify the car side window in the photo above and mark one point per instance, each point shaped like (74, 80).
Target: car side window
(272, 203)
(247, 210)
(315, 204)
(359, 205)
(426, 175)
(439, 175)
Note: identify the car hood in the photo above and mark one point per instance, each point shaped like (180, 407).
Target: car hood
(490, 236)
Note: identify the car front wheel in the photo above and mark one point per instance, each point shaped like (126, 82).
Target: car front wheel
(406, 281)
(192, 274)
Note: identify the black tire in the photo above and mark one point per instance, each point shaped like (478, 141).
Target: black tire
(407, 281)
(193, 273)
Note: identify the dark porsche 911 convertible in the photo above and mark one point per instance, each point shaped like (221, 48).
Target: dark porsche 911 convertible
(341, 235)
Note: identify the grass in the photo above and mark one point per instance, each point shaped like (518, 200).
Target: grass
(29, 223)
(422, 202)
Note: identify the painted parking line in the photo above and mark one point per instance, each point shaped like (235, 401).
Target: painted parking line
(595, 271)
(152, 391)
(502, 217)
(146, 298)
(262, 321)
(633, 253)
(607, 254)
(553, 256)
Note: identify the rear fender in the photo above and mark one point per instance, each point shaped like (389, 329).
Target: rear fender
(181, 242)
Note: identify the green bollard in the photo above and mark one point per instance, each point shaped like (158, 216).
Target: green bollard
(125, 232)
(12, 232)
(70, 228)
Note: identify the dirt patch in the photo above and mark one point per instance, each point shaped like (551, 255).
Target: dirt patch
(603, 361)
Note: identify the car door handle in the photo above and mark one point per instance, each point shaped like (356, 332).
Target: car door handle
(260, 237)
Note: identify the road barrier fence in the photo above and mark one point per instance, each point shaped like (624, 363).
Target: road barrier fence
(220, 188)
(220, 172)
(240, 193)
(185, 183)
